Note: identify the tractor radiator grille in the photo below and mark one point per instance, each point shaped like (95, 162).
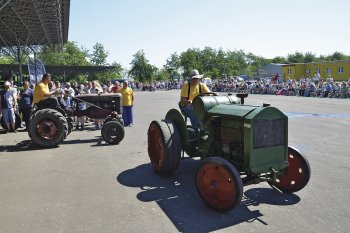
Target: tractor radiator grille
(269, 133)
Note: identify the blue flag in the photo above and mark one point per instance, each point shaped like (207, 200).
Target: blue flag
(40, 70)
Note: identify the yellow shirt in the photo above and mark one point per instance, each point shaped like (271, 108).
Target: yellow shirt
(40, 91)
(194, 91)
(127, 96)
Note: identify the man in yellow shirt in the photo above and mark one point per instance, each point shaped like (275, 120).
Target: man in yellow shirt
(128, 103)
(42, 90)
(188, 92)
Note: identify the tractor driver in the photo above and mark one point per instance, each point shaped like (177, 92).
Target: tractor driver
(188, 92)
(42, 91)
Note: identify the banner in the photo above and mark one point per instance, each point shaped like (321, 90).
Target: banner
(37, 67)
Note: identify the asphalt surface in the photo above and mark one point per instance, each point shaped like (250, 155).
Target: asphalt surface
(86, 185)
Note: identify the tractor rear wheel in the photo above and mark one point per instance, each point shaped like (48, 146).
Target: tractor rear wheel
(112, 132)
(219, 184)
(48, 127)
(164, 146)
(296, 175)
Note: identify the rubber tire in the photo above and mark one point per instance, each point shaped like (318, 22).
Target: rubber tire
(108, 119)
(212, 188)
(18, 122)
(56, 117)
(112, 127)
(167, 160)
(70, 124)
(305, 171)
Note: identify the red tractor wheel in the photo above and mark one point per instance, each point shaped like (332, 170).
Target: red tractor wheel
(219, 184)
(164, 146)
(297, 175)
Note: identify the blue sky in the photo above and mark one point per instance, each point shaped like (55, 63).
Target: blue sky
(161, 27)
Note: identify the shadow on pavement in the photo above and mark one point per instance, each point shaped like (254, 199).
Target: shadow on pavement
(26, 145)
(177, 196)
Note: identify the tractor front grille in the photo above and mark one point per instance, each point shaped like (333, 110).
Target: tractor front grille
(269, 133)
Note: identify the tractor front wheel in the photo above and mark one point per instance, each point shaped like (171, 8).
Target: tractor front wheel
(219, 184)
(112, 132)
(297, 174)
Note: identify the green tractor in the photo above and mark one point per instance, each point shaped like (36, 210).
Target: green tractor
(238, 145)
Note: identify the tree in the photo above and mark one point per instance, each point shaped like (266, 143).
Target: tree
(254, 63)
(99, 55)
(190, 60)
(297, 57)
(309, 57)
(70, 55)
(279, 60)
(337, 56)
(141, 70)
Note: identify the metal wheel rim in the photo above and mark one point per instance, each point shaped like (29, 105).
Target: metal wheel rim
(295, 174)
(47, 129)
(216, 186)
(156, 147)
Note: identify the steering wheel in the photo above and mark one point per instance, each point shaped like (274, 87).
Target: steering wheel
(209, 94)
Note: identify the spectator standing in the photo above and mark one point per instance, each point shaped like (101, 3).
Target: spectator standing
(128, 103)
(96, 89)
(188, 92)
(70, 92)
(116, 87)
(81, 107)
(8, 105)
(317, 78)
(109, 86)
(26, 103)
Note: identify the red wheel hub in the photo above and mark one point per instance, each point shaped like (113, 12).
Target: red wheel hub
(47, 129)
(155, 146)
(216, 186)
(295, 174)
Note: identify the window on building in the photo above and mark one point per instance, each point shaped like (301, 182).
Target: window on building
(340, 70)
(308, 71)
(328, 70)
(318, 70)
(289, 71)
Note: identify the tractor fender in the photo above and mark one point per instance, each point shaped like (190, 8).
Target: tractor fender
(176, 117)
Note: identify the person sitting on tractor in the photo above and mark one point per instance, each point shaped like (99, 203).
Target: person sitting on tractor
(42, 92)
(188, 92)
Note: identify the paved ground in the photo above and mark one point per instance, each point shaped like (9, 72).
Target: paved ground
(85, 185)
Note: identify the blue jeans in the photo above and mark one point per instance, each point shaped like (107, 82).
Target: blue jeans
(187, 111)
(9, 115)
(127, 115)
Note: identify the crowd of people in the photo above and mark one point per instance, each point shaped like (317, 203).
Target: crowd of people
(13, 102)
(23, 102)
(306, 87)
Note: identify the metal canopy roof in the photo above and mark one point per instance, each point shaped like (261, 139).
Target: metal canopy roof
(34, 22)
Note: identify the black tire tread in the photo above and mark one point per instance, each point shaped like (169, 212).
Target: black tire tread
(52, 114)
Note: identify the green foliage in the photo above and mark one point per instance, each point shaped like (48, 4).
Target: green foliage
(279, 60)
(71, 55)
(337, 56)
(6, 60)
(297, 57)
(99, 55)
(309, 57)
(141, 70)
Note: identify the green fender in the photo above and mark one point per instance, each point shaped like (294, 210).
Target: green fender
(176, 117)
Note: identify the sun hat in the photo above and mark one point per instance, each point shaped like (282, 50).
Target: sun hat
(195, 74)
(7, 83)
